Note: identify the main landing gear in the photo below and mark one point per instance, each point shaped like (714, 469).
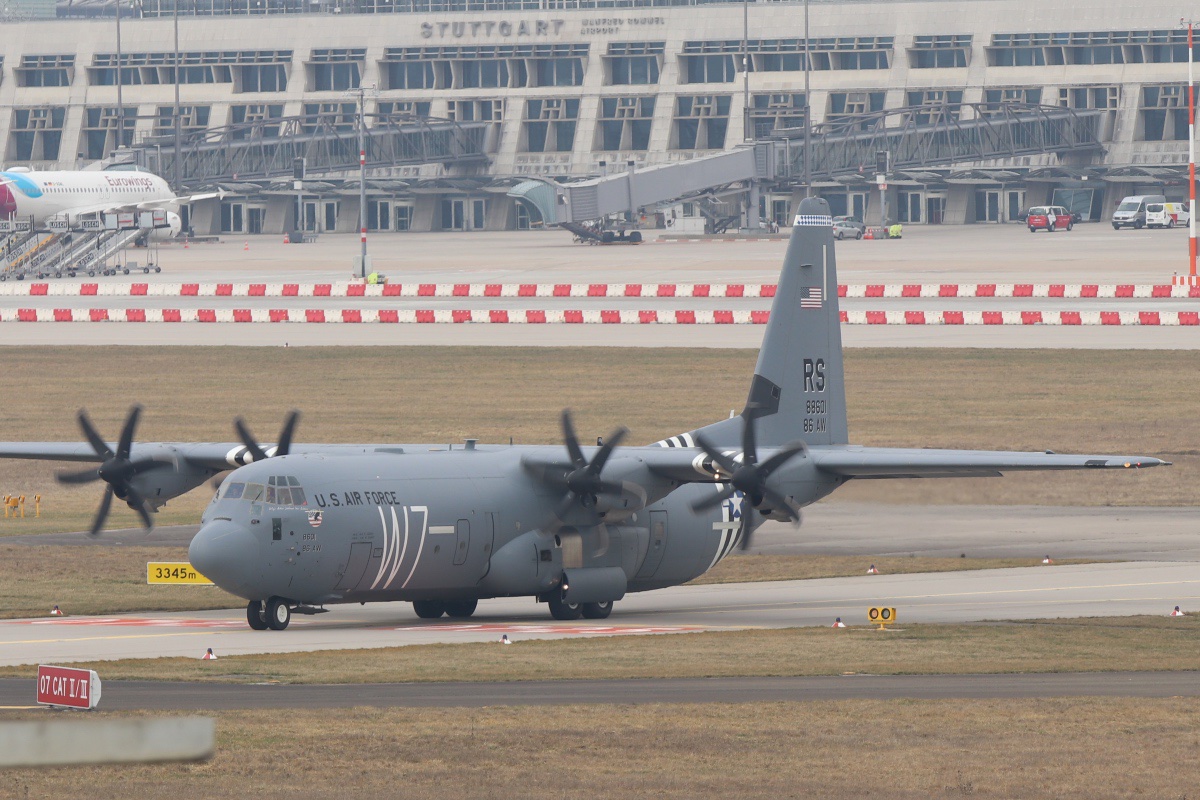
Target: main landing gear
(562, 610)
(274, 614)
(456, 609)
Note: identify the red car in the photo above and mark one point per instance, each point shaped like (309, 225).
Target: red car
(1039, 219)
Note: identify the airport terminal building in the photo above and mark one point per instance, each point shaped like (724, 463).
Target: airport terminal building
(566, 89)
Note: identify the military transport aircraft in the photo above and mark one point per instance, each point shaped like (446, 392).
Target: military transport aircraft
(295, 528)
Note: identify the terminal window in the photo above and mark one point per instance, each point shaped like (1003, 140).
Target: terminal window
(45, 70)
(105, 129)
(701, 122)
(624, 123)
(772, 112)
(36, 133)
(1163, 116)
(550, 125)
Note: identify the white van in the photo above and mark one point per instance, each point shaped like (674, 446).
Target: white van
(1166, 215)
(1132, 211)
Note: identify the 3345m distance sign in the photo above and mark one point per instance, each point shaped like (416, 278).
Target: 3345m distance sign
(174, 572)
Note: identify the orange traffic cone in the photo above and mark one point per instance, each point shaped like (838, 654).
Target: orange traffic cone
(869, 234)
(185, 243)
(57, 612)
(286, 239)
(208, 655)
(246, 246)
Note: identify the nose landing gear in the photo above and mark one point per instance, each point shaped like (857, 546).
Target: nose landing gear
(274, 614)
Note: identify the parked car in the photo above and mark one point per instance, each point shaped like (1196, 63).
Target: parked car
(1167, 215)
(1039, 219)
(848, 226)
(1131, 213)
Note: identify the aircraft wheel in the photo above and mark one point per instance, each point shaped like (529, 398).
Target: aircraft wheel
(597, 610)
(461, 609)
(254, 615)
(278, 613)
(429, 609)
(560, 609)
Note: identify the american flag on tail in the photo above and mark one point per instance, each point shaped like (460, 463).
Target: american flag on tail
(810, 297)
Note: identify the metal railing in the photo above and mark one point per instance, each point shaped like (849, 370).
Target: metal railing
(928, 136)
(267, 149)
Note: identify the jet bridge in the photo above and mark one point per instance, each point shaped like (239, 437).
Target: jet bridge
(916, 137)
(573, 205)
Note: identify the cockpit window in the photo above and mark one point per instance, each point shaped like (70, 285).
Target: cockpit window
(281, 490)
(233, 491)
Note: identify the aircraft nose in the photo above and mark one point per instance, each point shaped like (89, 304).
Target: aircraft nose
(226, 554)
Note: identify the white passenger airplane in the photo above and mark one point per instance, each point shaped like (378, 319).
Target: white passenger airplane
(26, 194)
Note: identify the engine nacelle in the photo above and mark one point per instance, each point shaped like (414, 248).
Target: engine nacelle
(174, 226)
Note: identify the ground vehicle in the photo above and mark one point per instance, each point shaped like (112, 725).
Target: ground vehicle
(847, 227)
(1166, 215)
(1039, 219)
(1131, 213)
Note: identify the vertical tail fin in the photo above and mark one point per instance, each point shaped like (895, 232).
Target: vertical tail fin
(798, 391)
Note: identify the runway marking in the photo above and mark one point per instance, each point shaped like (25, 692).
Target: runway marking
(134, 622)
(110, 638)
(500, 627)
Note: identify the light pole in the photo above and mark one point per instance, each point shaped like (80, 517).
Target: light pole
(807, 108)
(1191, 161)
(361, 93)
(175, 116)
(120, 101)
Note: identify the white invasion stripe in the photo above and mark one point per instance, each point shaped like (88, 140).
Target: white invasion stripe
(441, 529)
(403, 549)
(688, 440)
(421, 545)
(387, 548)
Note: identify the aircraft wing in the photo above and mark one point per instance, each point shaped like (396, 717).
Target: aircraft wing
(145, 205)
(895, 462)
(151, 205)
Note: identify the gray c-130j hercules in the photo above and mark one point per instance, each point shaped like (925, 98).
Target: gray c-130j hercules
(295, 528)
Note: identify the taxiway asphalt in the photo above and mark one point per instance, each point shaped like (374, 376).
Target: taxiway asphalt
(1086, 590)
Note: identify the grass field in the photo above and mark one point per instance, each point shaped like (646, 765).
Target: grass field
(1077, 645)
(35, 579)
(1134, 402)
(1079, 749)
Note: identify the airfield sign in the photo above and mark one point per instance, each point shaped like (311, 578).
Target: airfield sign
(174, 572)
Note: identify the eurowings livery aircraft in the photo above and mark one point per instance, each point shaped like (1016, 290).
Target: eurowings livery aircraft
(40, 196)
(295, 528)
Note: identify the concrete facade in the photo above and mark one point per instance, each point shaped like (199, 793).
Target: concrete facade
(60, 126)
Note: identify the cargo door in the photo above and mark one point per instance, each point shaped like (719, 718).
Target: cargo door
(356, 565)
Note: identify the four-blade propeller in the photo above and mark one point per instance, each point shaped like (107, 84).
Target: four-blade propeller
(579, 478)
(280, 449)
(116, 469)
(750, 478)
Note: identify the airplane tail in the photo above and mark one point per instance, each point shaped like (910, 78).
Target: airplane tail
(798, 391)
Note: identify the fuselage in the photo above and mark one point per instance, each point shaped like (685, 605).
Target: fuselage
(462, 523)
(42, 195)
